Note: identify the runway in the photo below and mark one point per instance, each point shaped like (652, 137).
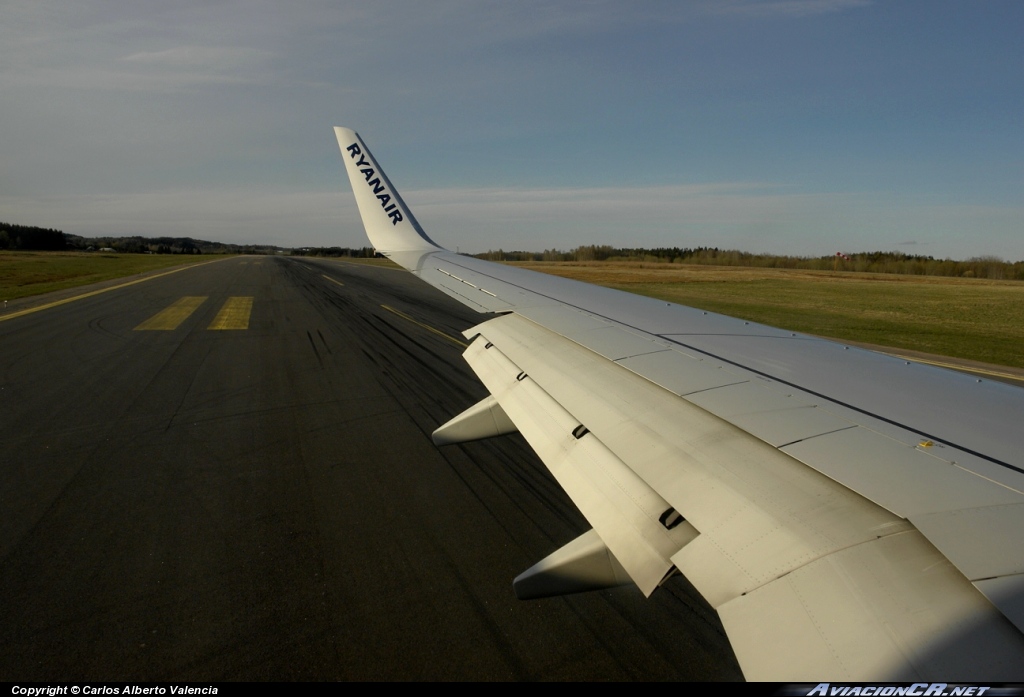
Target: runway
(225, 473)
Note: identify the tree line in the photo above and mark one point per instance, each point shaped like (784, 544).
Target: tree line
(25, 237)
(358, 252)
(990, 267)
(28, 237)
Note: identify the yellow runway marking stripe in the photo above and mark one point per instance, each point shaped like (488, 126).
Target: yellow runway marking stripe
(425, 326)
(65, 301)
(332, 280)
(371, 266)
(234, 314)
(170, 318)
(956, 366)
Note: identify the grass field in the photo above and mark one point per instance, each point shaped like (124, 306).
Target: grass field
(966, 318)
(23, 274)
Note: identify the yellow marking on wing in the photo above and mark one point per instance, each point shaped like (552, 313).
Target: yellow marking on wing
(234, 314)
(170, 318)
(426, 326)
(332, 280)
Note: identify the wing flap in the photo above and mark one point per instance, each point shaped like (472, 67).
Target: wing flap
(624, 511)
(760, 513)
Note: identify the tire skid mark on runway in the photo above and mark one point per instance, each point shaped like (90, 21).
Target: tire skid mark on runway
(324, 342)
(404, 316)
(378, 287)
(520, 465)
(528, 473)
(512, 469)
(184, 392)
(524, 468)
(88, 458)
(315, 351)
(505, 648)
(413, 355)
(369, 329)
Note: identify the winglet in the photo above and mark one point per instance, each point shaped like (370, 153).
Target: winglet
(389, 223)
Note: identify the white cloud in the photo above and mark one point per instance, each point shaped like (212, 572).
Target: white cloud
(787, 8)
(211, 57)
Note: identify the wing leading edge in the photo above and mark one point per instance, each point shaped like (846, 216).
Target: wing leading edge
(849, 528)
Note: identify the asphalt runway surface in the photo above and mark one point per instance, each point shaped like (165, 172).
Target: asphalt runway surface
(181, 502)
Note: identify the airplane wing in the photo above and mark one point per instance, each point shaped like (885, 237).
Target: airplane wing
(850, 515)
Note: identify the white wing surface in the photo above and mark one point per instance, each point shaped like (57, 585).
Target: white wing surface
(850, 515)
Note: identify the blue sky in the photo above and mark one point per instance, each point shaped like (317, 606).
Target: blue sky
(792, 126)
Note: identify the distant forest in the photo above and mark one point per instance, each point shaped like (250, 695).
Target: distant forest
(23, 237)
(869, 262)
(359, 252)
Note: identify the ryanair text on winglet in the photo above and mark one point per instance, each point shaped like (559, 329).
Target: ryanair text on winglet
(374, 182)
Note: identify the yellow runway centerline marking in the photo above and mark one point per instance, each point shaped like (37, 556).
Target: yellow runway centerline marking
(170, 318)
(234, 314)
(426, 326)
(332, 280)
